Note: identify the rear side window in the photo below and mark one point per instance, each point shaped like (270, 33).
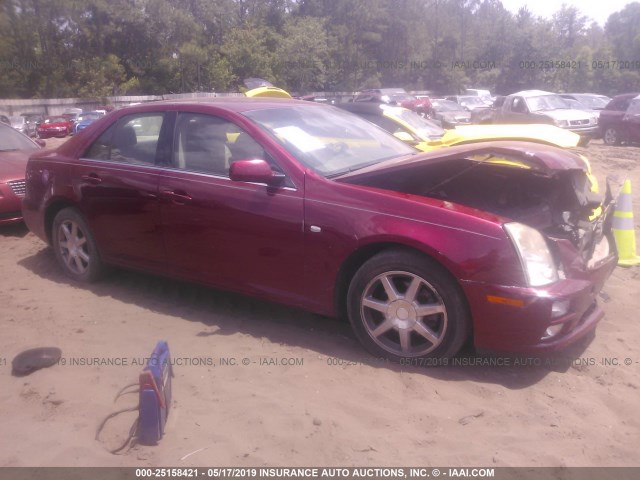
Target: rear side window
(132, 139)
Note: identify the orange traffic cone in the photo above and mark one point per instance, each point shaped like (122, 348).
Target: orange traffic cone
(623, 228)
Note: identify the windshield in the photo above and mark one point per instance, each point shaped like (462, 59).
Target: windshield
(446, 106)
(402, 97)
(10, 139)
(471, 100)
(55, 120)
(634, 107)
(252, 83)
(595, 102)
(546, 102)
(89, 116)
(16, 121)
(329, 140)
(424, 128)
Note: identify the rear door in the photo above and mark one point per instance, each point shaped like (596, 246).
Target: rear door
(238, 235)
(117, 178)
(612, 115)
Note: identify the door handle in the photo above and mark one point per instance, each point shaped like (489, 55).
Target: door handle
(92, 178)
(179, 197)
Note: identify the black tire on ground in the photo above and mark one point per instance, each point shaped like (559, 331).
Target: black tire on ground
(402, 304)
(611, 136)
(75, 248)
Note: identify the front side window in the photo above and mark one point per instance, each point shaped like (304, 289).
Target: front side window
(519, 106)
(546, 102)
(209, 144)
(634, 108)
(132, 139)
(624, 104)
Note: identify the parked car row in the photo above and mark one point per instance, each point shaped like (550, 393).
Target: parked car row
(576, 112)
(616, 120)
(38, 125)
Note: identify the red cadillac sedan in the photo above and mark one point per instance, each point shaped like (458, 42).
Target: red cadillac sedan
(311, 206)
(15, 149)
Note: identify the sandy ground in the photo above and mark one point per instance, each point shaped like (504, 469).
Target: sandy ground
(331, 407)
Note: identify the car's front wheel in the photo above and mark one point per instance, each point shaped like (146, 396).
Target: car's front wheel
(403, 305)
(75, 247)
(611, 136)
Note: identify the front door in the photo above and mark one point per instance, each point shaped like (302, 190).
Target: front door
(243, 236)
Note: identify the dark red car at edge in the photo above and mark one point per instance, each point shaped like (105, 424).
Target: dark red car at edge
(15, 149)
(310, 206)
(620, 120)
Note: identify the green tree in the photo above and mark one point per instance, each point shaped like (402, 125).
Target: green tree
(302, 54)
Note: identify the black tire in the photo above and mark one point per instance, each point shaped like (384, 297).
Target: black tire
(80, 260)
(611, 136)
(425, 296)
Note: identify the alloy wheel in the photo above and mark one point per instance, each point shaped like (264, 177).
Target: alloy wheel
(72, 243)
(403, 314)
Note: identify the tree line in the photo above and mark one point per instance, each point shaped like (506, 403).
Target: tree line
(98, 48)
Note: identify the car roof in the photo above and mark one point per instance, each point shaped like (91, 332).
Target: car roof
(586, 93)
(233, 104)
(531, 93)
(384, 90)
(626, 95)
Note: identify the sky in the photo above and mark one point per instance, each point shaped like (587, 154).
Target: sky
(597, 10)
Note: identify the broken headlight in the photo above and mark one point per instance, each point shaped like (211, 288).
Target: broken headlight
(537, 262)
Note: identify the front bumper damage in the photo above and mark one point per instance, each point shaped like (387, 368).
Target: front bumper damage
(546, 319)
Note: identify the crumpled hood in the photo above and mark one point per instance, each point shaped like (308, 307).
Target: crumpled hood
(539, 157)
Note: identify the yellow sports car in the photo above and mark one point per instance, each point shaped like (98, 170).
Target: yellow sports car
(259, 87)
(426, 135)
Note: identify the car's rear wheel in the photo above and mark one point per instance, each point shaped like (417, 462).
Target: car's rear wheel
(611, 136)
(404, 305)
(75, 247)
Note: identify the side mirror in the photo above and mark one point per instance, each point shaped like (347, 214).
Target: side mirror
(255, 171)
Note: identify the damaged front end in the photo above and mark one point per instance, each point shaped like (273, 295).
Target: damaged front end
(559, 203)
(559, 227)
